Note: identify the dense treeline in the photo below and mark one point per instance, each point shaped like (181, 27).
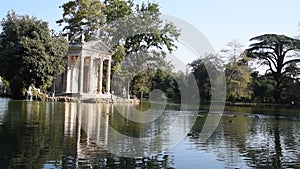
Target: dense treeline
(266, 72)
(31, 53)
(277, 81)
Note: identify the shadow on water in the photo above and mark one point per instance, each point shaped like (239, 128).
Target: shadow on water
(73, 135)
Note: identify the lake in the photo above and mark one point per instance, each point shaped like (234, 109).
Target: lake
(93, 135)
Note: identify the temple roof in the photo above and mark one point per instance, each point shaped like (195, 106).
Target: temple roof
(96, 45)
(95, 48)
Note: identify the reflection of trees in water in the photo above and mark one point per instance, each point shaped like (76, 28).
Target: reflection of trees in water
(280, 145)
(30, 136)
(98, 158)
(35, 134)
(268, 141)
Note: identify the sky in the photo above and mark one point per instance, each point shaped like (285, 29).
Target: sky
(220, 21)
(223, 20)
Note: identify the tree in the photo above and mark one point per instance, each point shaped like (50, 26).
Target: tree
(29, 53)
(136, 34)
(262, 87)
(83, 18)
(238, 78)
(141, 83)
(237, 72)
(167, 82)
(203, 70)
(116, 9)
(278, 53)
(202, 78)
(119, 23)
(149, 80)
(140, 34)
(232, 52)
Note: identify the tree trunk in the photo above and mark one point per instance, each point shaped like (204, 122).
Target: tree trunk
(278, 89)
(277, 94)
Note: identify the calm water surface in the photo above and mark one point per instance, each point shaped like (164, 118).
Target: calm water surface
(78, 135)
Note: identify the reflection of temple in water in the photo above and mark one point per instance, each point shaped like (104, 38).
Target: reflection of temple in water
(81, 135)
(82, 131)
(76, 135)
(89, 139)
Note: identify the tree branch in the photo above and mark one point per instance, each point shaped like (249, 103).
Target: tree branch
(291, 61)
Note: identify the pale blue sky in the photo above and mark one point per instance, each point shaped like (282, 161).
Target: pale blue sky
(219, 20)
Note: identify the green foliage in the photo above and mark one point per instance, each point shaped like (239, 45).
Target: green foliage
(140, 32)
(83, 17)
(135, 33)
(203, 70)
(202, 77)
(4, 87)
(5, 82)
(291, 94)
(141, 83)
(238, 77)
(144, 30)
(148, 80)
(136, 27)
(237, 72)
(277, 52)
(115, 9)
(262, 87)
(30, 53)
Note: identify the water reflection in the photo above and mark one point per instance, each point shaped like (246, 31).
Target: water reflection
(72, 135)
(245, 140)
(29, 136)
(106, 126)
(69, 135)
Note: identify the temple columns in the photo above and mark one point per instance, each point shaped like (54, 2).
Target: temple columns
(72, 74)
(92, 76)
(68, 76)
(81, 69)
(85, 76)
(100, 76)
(108, 76)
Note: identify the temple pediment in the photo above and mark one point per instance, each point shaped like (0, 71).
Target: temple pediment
(96, 45)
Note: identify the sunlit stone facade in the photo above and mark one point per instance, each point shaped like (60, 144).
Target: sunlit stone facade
(83, 75)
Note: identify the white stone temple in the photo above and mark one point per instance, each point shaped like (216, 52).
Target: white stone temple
(83, 76)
